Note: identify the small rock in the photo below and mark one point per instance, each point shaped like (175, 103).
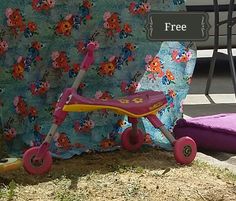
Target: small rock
(166, 171)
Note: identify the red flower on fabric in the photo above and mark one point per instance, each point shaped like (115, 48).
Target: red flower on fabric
(32, 26)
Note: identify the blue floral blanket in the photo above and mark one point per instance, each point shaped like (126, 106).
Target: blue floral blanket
(42, 44)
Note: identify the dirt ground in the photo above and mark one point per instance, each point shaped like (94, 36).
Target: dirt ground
(149, 175)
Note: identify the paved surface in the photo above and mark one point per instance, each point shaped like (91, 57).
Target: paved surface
(220, 100)
(220, 160)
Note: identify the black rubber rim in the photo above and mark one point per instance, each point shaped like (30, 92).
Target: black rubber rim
(36, 164)
(187, 151)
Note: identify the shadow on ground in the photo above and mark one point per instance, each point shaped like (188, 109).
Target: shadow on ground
(147, 158)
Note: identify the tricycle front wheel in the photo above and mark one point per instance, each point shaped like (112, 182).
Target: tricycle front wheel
(36, 167)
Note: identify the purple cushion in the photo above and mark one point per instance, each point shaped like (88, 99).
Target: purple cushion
(216, 132)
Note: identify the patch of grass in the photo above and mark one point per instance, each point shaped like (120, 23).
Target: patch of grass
(132, 189)
(2, 193)
(151, 175)
(8, 192)
(11, 191)
(66, 196)
(128, 168)
(220, 173)
(63, 193)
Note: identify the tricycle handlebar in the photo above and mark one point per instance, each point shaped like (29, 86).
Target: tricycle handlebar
(86, 63)
(89, 58)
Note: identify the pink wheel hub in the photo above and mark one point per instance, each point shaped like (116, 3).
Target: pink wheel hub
(36, 167)
(130, 141)
(185, 150)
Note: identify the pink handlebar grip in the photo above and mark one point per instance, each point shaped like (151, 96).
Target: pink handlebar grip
(89, 58)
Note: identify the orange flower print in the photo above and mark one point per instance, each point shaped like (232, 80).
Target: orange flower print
(168, 78)
(15, 20)
(139, 8)
(108, 68)
(40, 5)
(181, 56)
(60, 61)
(107, 143)
(64, 27)
(169, 75)
(154, 65)
(32, 26)
(3, 47)
(112, 23)
(19, 69)
(62, 141)
(105, 96)
(147, 138)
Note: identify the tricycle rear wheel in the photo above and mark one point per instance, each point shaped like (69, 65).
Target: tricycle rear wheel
(185, 150)
(132, 142)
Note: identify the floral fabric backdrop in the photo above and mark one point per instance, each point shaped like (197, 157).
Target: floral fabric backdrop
(41, 47)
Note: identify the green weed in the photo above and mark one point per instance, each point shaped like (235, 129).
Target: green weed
(8, 192)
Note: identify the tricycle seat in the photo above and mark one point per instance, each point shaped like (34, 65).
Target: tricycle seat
(137, 105)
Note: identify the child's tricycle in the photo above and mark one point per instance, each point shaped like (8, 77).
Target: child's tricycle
(38, 160)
